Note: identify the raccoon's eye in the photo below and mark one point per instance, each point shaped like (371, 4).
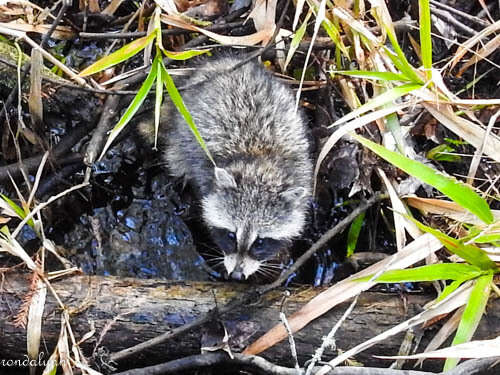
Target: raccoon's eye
(265, 248)
(224, 239)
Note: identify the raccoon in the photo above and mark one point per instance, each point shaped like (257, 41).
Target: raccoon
(255, 200)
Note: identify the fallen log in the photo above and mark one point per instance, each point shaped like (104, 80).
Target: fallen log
(125, 312)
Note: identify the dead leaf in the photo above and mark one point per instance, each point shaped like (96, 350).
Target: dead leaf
(445, 331)
(484, 52)
(448, 209)
(247, 40)
(34, 327)
(263, 15)
(63, 348)
(111, 8)
(467, 46)
(471, 349)
(60, 32)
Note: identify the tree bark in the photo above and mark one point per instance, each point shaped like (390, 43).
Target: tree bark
(126, 312)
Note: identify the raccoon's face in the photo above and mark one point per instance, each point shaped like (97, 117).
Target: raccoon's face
(250, 225)
(242, 259)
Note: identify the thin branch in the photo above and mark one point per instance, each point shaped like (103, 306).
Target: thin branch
(31, 164)
(329, 340)
(63, 83)
(447, 17)
(460, 13)
(256, 364)
(55, 23)
(262, 366)
(56, 153)
(139, 34)
(110, 111)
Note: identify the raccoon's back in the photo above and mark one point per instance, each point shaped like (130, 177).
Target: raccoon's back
(243, 115)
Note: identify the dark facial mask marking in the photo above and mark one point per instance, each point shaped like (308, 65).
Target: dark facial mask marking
(224, 239)
(266, 248)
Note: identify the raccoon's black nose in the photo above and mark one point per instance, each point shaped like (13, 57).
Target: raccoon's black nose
(237, 274)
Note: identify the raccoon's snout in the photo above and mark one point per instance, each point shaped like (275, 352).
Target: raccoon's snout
(245, 253)
(238, 267)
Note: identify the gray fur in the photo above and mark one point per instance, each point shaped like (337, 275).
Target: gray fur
(263, 177)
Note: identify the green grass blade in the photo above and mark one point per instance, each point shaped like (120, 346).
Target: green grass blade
(297, 38)
(124, 53)
(334, 34)
(450, 289)
(379, 76)
(399, 60)
(472, 254)
(338, 59)
(184, 55)
(431, 272)
(387, 97)
(159, 93)
(490, 235)
(472, 315)
(157, 28)
(353, 234)
(488, 238)
(392, 123)
(132, 108)
(425, 36)
(17, 209)
(179, 103)
(455, 190)
(443, 152)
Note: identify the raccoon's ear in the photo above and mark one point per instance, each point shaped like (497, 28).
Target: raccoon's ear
(293, 194)
(223, 178)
